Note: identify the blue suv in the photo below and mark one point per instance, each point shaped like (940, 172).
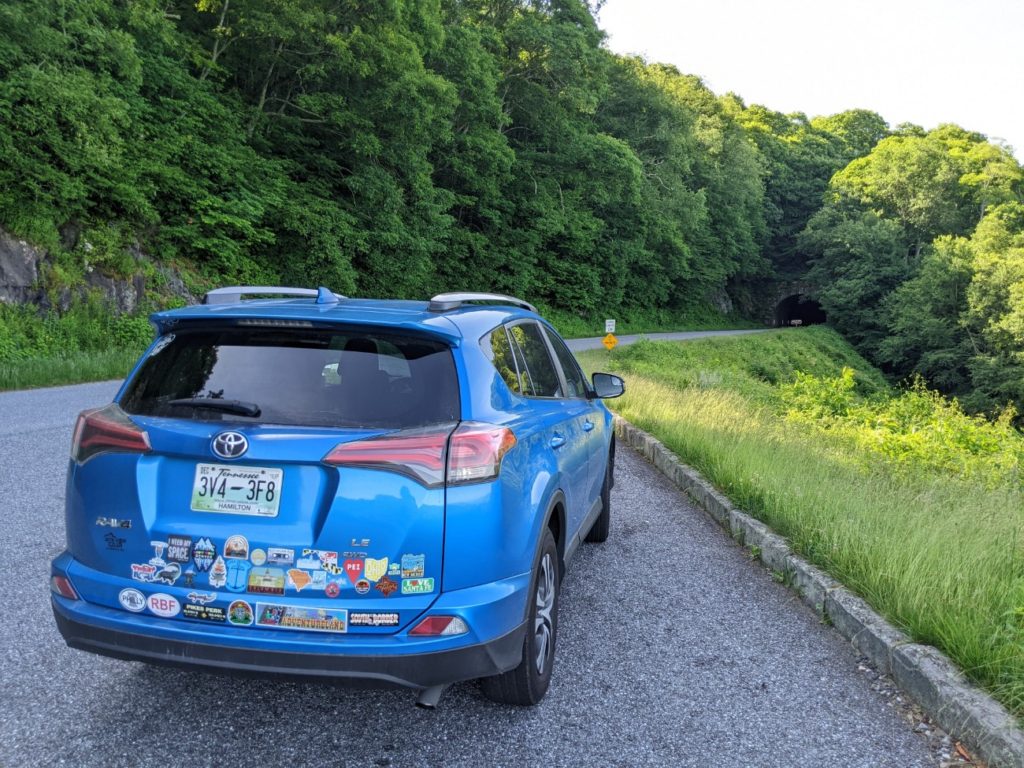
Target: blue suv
(384, 492)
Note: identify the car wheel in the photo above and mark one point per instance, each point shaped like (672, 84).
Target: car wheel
(526, 684)
(599, 530)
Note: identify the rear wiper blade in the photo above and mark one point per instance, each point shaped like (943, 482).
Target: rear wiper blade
(239, 407)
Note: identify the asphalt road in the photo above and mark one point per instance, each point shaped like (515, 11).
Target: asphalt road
(674, 649)
(578, 345)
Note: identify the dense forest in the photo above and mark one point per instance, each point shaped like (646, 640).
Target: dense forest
(401, 147)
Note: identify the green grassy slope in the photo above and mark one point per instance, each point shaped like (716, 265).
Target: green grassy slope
(913, 505)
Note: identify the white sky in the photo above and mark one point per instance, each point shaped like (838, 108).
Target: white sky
(919, 61)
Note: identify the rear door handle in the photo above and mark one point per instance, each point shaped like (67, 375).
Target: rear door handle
(588, 425)
(557, 441)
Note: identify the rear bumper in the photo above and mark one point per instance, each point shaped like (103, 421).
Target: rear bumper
(410, 670)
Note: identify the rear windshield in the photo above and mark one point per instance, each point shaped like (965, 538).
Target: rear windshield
(297, 377)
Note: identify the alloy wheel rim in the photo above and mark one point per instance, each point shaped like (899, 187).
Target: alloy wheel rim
(544, 631)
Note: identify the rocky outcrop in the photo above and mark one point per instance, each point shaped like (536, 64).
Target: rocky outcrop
(19, 270)
(22, 266)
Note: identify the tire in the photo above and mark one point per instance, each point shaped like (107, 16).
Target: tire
(526, 685)
(601, 527)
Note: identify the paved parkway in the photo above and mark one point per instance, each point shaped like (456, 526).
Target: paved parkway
(674, 649)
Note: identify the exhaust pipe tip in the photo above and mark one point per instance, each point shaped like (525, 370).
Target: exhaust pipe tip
(429, 697)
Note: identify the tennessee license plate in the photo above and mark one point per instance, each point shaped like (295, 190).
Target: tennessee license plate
(237, 490)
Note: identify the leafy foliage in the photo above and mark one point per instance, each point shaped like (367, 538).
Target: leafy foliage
(405, 147)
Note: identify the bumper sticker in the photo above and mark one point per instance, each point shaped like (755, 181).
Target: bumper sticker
(132, 600)
(417, 586)
(386, 586)
(412, 566)
(280, 556)
(363, 619)
(374, 569)
(218, 573)
(179, 548)
(203, 554)
(203, 612)
(299, 579)
(266, 581)
(295, 617)
(237, 547)
(163, 605)
(240, 613)
(238, 574)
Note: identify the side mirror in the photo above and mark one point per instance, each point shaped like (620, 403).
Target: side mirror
(607, 385)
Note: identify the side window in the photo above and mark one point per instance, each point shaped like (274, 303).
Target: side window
(574, 379)
(503, 357)
(537, 360)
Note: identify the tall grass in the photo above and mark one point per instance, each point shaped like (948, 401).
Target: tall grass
(72, 367)
(938, 552)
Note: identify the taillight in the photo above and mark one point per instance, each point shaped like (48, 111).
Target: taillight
(470, 454)
(63, 587)
(440, 626)
(419, 456)
(104, 430)
(476, 452)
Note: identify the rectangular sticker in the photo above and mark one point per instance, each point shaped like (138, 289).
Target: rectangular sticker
(365, 619)
(204, 612)
(417, 586)
(296, 617)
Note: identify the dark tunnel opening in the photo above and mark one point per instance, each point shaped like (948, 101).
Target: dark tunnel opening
(799, 310)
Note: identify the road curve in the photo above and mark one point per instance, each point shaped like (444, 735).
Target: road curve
(578, 345)
(674, 650)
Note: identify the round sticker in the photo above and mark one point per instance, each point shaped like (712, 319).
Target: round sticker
(259, 556)
(362, 586)
(240, 613)
(132, 600)
(332, 589)
(163, 605)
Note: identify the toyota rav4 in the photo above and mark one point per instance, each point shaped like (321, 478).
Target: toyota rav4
(384, 492)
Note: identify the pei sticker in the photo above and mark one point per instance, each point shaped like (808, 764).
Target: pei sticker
(163, 605)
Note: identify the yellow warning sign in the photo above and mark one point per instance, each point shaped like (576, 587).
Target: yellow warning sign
(609, 342)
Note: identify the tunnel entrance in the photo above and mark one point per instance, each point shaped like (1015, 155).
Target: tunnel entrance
(798, 310)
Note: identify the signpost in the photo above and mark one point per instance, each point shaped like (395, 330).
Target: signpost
(609, 340)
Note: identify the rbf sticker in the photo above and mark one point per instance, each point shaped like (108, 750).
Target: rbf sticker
(163, 605)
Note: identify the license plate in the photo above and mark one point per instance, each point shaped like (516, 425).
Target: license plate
(237, 490)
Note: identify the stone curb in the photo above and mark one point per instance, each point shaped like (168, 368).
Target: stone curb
(925, 674)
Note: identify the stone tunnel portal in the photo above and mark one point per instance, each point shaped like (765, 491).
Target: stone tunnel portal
(798, 310)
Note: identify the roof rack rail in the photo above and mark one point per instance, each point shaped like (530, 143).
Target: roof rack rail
(445, 302)
(233, 294)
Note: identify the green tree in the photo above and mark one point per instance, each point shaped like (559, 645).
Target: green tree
(857, 259)
(995, 314)
(924, 319)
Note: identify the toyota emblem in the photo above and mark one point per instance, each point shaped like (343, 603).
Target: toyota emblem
(230, 445)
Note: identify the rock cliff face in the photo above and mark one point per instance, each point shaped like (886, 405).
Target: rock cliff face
(19, 271)
(21, 265)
